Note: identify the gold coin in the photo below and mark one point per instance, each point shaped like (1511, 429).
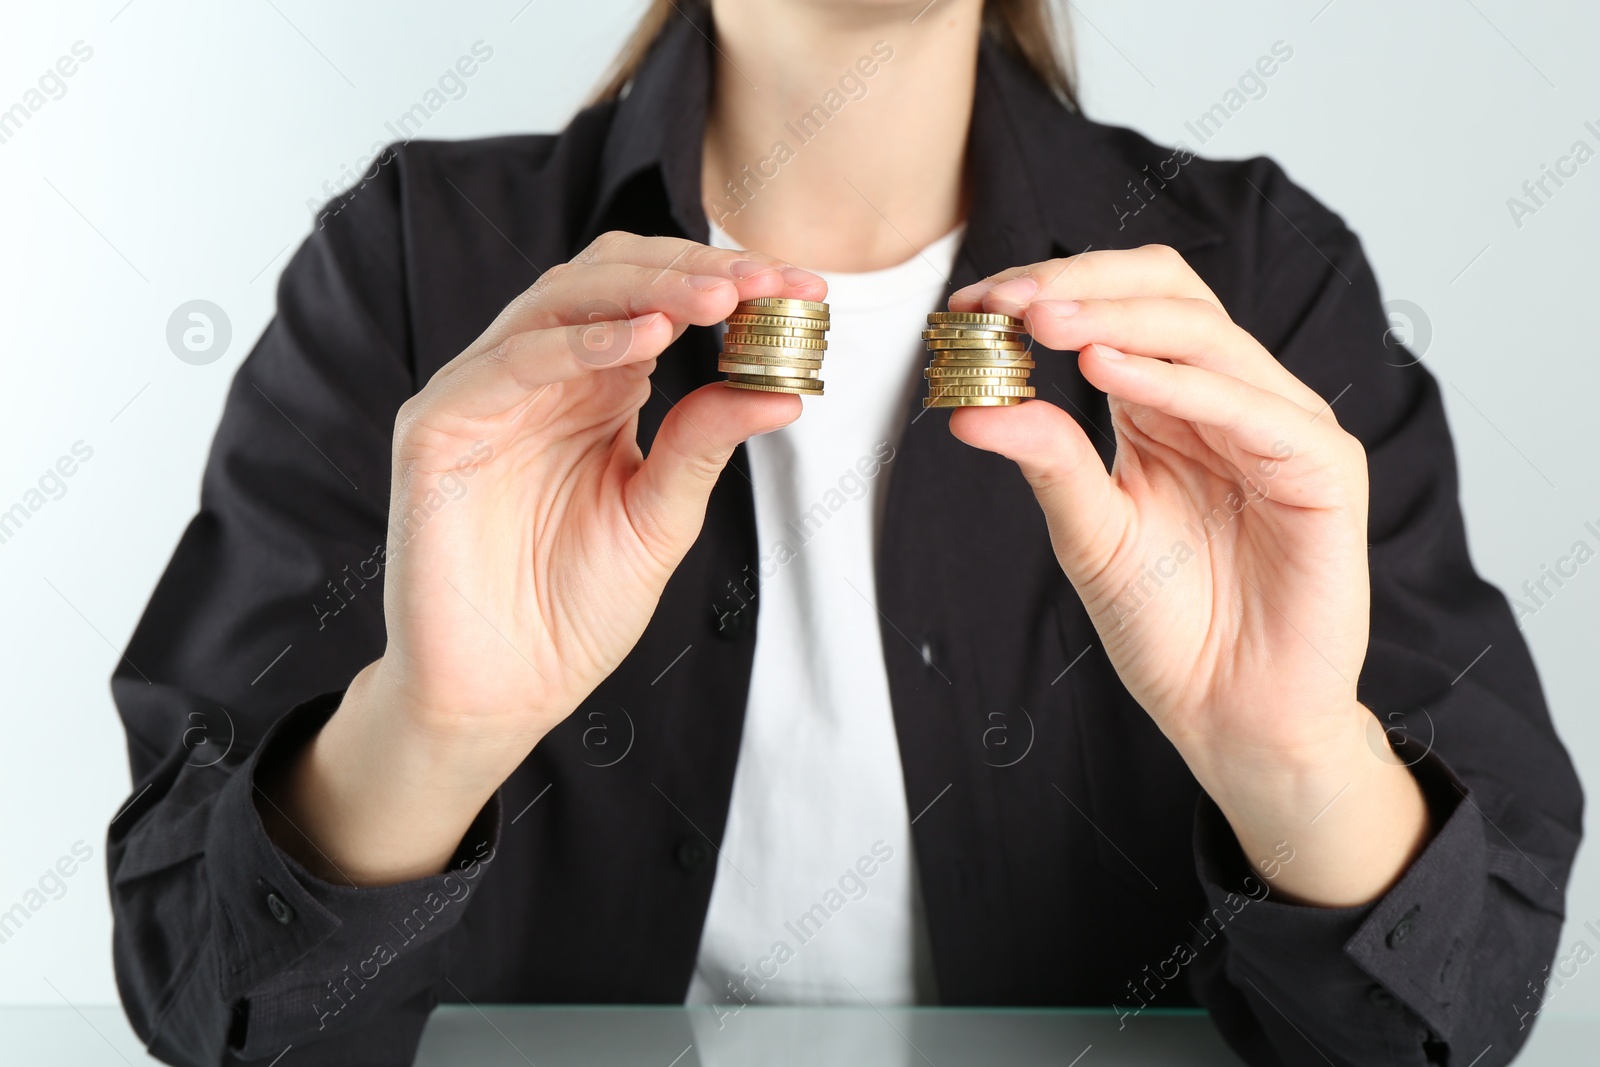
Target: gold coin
(946, 359)
(798, 346)
(937, 343)
(802, 347)
(952, 386)
(753, 330)
(786, 360)
(739, 318)
(763, 388)
(976, 318)
(965, 372)
(974, 335)
(986, 355)
(935, 389)
(946, 386)
(777, 380)
(766, 370)
(970, 401)
(780, 305)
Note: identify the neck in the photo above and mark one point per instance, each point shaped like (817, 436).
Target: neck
(835, 135)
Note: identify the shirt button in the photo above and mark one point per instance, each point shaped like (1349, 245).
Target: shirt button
(693, 854)
(280, 909)
(731, 625)
(1402, 929)
(1381, 997)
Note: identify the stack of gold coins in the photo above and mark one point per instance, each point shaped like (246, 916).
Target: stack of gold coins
(979, 360)
(775, 345)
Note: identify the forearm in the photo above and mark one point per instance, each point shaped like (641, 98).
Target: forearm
(373, 799)
(1352, 813)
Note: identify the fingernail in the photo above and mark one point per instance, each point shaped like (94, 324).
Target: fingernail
(976, 289)
(1016, 290)
(1106, 352)
(639, 322)
(1059, 308)
(705, 281)
(745, 268)
(796, 276)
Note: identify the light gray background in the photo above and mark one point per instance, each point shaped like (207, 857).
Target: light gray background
(179, 163)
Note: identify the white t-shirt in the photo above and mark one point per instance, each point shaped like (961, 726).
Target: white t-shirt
(816, 898)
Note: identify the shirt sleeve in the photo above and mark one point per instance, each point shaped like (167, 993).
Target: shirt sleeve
(1437, 970)
(225, 949)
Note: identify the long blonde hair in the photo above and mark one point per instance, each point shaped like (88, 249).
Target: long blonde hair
(1031, 30)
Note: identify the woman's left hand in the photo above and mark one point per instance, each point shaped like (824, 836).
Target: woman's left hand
(1223, 559)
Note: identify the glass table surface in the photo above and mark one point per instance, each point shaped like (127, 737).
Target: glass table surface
(517, 1036)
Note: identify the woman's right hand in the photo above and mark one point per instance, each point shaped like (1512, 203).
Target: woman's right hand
(529, 542)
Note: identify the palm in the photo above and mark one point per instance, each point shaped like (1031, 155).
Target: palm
(533, 579)
(1214, 602)
(1223, 558)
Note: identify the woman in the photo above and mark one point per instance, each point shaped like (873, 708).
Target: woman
(1232, 722)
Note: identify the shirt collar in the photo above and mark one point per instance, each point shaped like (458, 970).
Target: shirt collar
(1045, 180)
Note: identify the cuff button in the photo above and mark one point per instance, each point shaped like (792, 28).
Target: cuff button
(693, 854)
(731, 625)
(1402, 929)
(280, 909)
(1381, 997)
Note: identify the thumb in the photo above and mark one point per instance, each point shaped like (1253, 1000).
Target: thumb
(666, 497)
(1086, 512)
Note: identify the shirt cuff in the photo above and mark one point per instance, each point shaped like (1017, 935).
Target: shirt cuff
(1407, 948)
(283, 927)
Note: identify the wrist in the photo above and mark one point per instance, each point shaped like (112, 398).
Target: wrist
(371, 800)
(1352, 815)
(443, 746)
(1291, 780)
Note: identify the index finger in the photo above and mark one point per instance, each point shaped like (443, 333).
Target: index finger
(1106, 274)
(692, 257)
